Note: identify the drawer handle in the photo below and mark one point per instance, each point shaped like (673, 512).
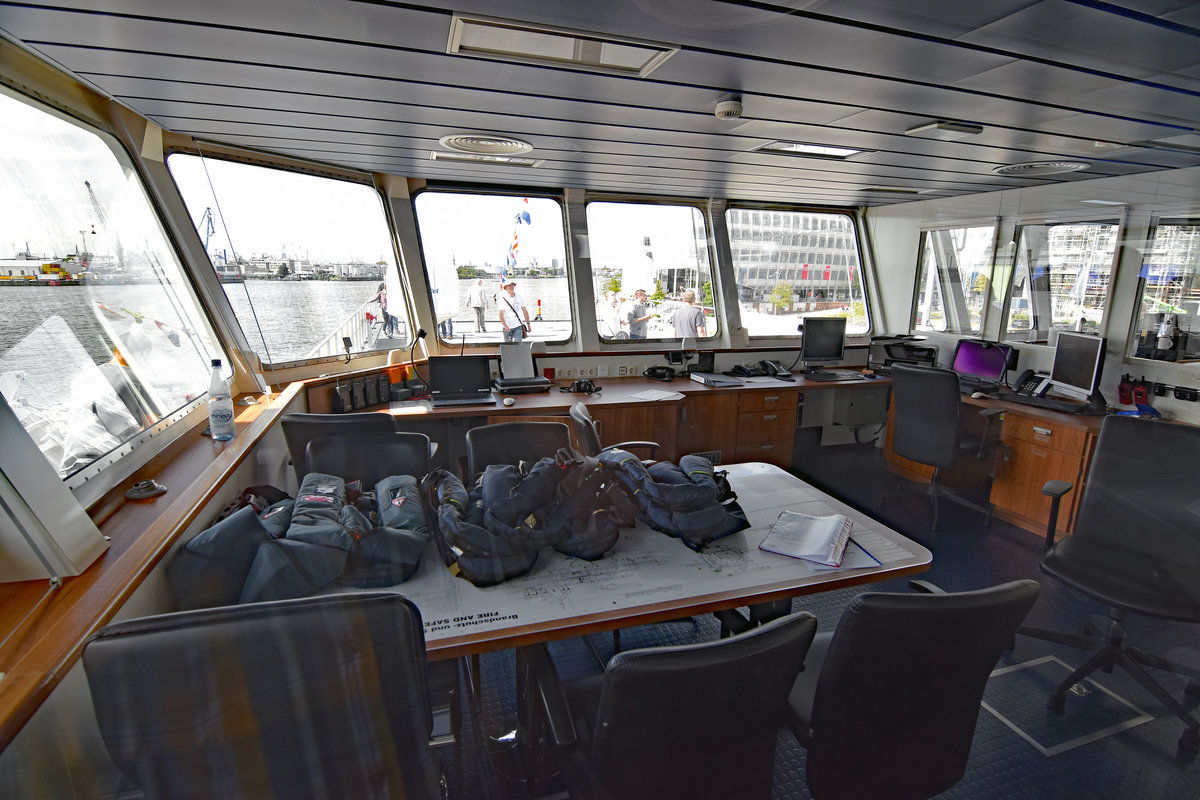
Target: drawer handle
(767, 446)
(769, 417)
(771, 398)
(1043, 431)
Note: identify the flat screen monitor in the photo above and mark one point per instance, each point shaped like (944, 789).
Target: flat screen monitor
(455, 374)
(824, 340)
(1078, 358)
(983, 361)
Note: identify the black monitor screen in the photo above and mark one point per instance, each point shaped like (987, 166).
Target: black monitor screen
(459, 373)
(824, 339)
(984, 360)
(1077, 361)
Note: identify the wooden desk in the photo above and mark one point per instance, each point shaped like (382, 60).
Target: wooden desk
(648, 576)
(1037, 445)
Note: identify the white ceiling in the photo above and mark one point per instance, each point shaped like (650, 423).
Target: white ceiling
(367, 84)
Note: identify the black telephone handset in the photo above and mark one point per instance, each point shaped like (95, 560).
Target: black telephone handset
(775, 370)
(744, 371)
(659, 373)
(1029, 382)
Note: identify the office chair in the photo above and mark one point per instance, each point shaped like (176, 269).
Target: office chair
(369, 457)
(587, 433)
(696, 721)
(300, 428)
(312, 698)
(928, 430)
(887, 703)
(512, 443)
(1136, 549)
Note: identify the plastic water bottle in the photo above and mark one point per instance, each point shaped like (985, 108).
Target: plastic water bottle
(220, 405)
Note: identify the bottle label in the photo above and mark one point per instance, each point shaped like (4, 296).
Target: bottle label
(220, 416)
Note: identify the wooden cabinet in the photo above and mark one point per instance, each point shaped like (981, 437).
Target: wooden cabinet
(645, 423)
(708, 423)
(766, 426)
(1035, 450)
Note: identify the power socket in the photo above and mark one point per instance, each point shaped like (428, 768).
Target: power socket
(567, 372)
(587, 372)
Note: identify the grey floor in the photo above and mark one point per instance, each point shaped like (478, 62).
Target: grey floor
(1116, 741)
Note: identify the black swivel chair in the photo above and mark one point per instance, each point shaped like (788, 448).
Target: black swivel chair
(928, 430)
(512, 443)
(299, 429)
(312, 698)
(633, 731)
(587, 433)
(1136, 549)
(887, 703)
(369, 457)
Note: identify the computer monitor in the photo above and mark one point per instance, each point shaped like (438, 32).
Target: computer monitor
(1075, 371)
(985, 362)
(824, 340)
(456, 374)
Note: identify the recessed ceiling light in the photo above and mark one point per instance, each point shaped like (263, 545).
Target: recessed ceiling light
(484, 143)
(480, 158)
(1037, 169)
(546, 45)
(945, 129)
(1103, 202)
(894, 190)
(809, 150)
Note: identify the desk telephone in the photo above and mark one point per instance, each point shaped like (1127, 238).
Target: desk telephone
(776, 370)
(659, 373)
(1032, 384)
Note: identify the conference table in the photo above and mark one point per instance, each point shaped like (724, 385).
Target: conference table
(651, 577)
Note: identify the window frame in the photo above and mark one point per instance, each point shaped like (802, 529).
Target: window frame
(1134, 330)
(942, 272)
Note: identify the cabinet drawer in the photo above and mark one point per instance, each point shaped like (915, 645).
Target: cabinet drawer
(778, 453)
(765, 426)
(1055, 435)
(774, 400)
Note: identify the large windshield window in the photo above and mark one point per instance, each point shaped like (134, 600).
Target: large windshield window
(1167, 327)
(651, 273)
(473, 242)
(1060, 280)
(100, 337)
(795, 264)
(954, 282)
(306, 261)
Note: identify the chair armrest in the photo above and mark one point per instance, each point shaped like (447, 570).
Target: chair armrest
(627, 445)
(925, 587)
(550, 695)
(991, 412)
(1055, 491)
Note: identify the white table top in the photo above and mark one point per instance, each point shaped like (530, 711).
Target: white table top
(649, 576)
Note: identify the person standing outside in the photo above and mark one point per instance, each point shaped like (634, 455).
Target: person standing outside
(511, 308)
(689, 319)
(476, 302)
(639, 315)
(389, 322)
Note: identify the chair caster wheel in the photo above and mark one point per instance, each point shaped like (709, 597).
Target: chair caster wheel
(1057, 703)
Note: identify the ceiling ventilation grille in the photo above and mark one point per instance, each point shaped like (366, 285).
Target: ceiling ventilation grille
(484, 144)
(1037, 169)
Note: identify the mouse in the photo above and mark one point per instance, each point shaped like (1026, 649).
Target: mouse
(508, 401)
(979, 394)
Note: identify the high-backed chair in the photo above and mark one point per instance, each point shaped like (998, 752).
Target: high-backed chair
(587, 433)
(369, 457)
(928, 430)
(312, 698)
(512, 443)
(299, 429)
(887, 703)
(632, 731)
(1136, 549)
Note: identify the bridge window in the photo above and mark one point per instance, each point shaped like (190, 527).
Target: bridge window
(661, 249)
(1167, 325)
(954, 279)
(801, 273)
(1060, 279)
(471, 243)
(306, 261)
(101, 343)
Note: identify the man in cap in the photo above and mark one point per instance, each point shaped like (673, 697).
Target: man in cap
(511, 308)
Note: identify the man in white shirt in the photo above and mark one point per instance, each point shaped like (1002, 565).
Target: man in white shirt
(511, 308)
(476, 302)
(689, 318)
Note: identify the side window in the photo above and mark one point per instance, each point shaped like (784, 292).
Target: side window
(794, 264)
(100, 336)
(472, 243)
(651, 272)
(1167, 326)
(306, 261)
(1060, 279)
(953, 280)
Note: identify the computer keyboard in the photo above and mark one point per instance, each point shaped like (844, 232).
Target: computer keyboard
(473, 399)
(1052, 403)
(832, 375)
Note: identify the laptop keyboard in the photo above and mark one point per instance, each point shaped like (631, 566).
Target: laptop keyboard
(463, 399)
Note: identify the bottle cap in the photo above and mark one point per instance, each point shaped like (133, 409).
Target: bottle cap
(216, 362)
